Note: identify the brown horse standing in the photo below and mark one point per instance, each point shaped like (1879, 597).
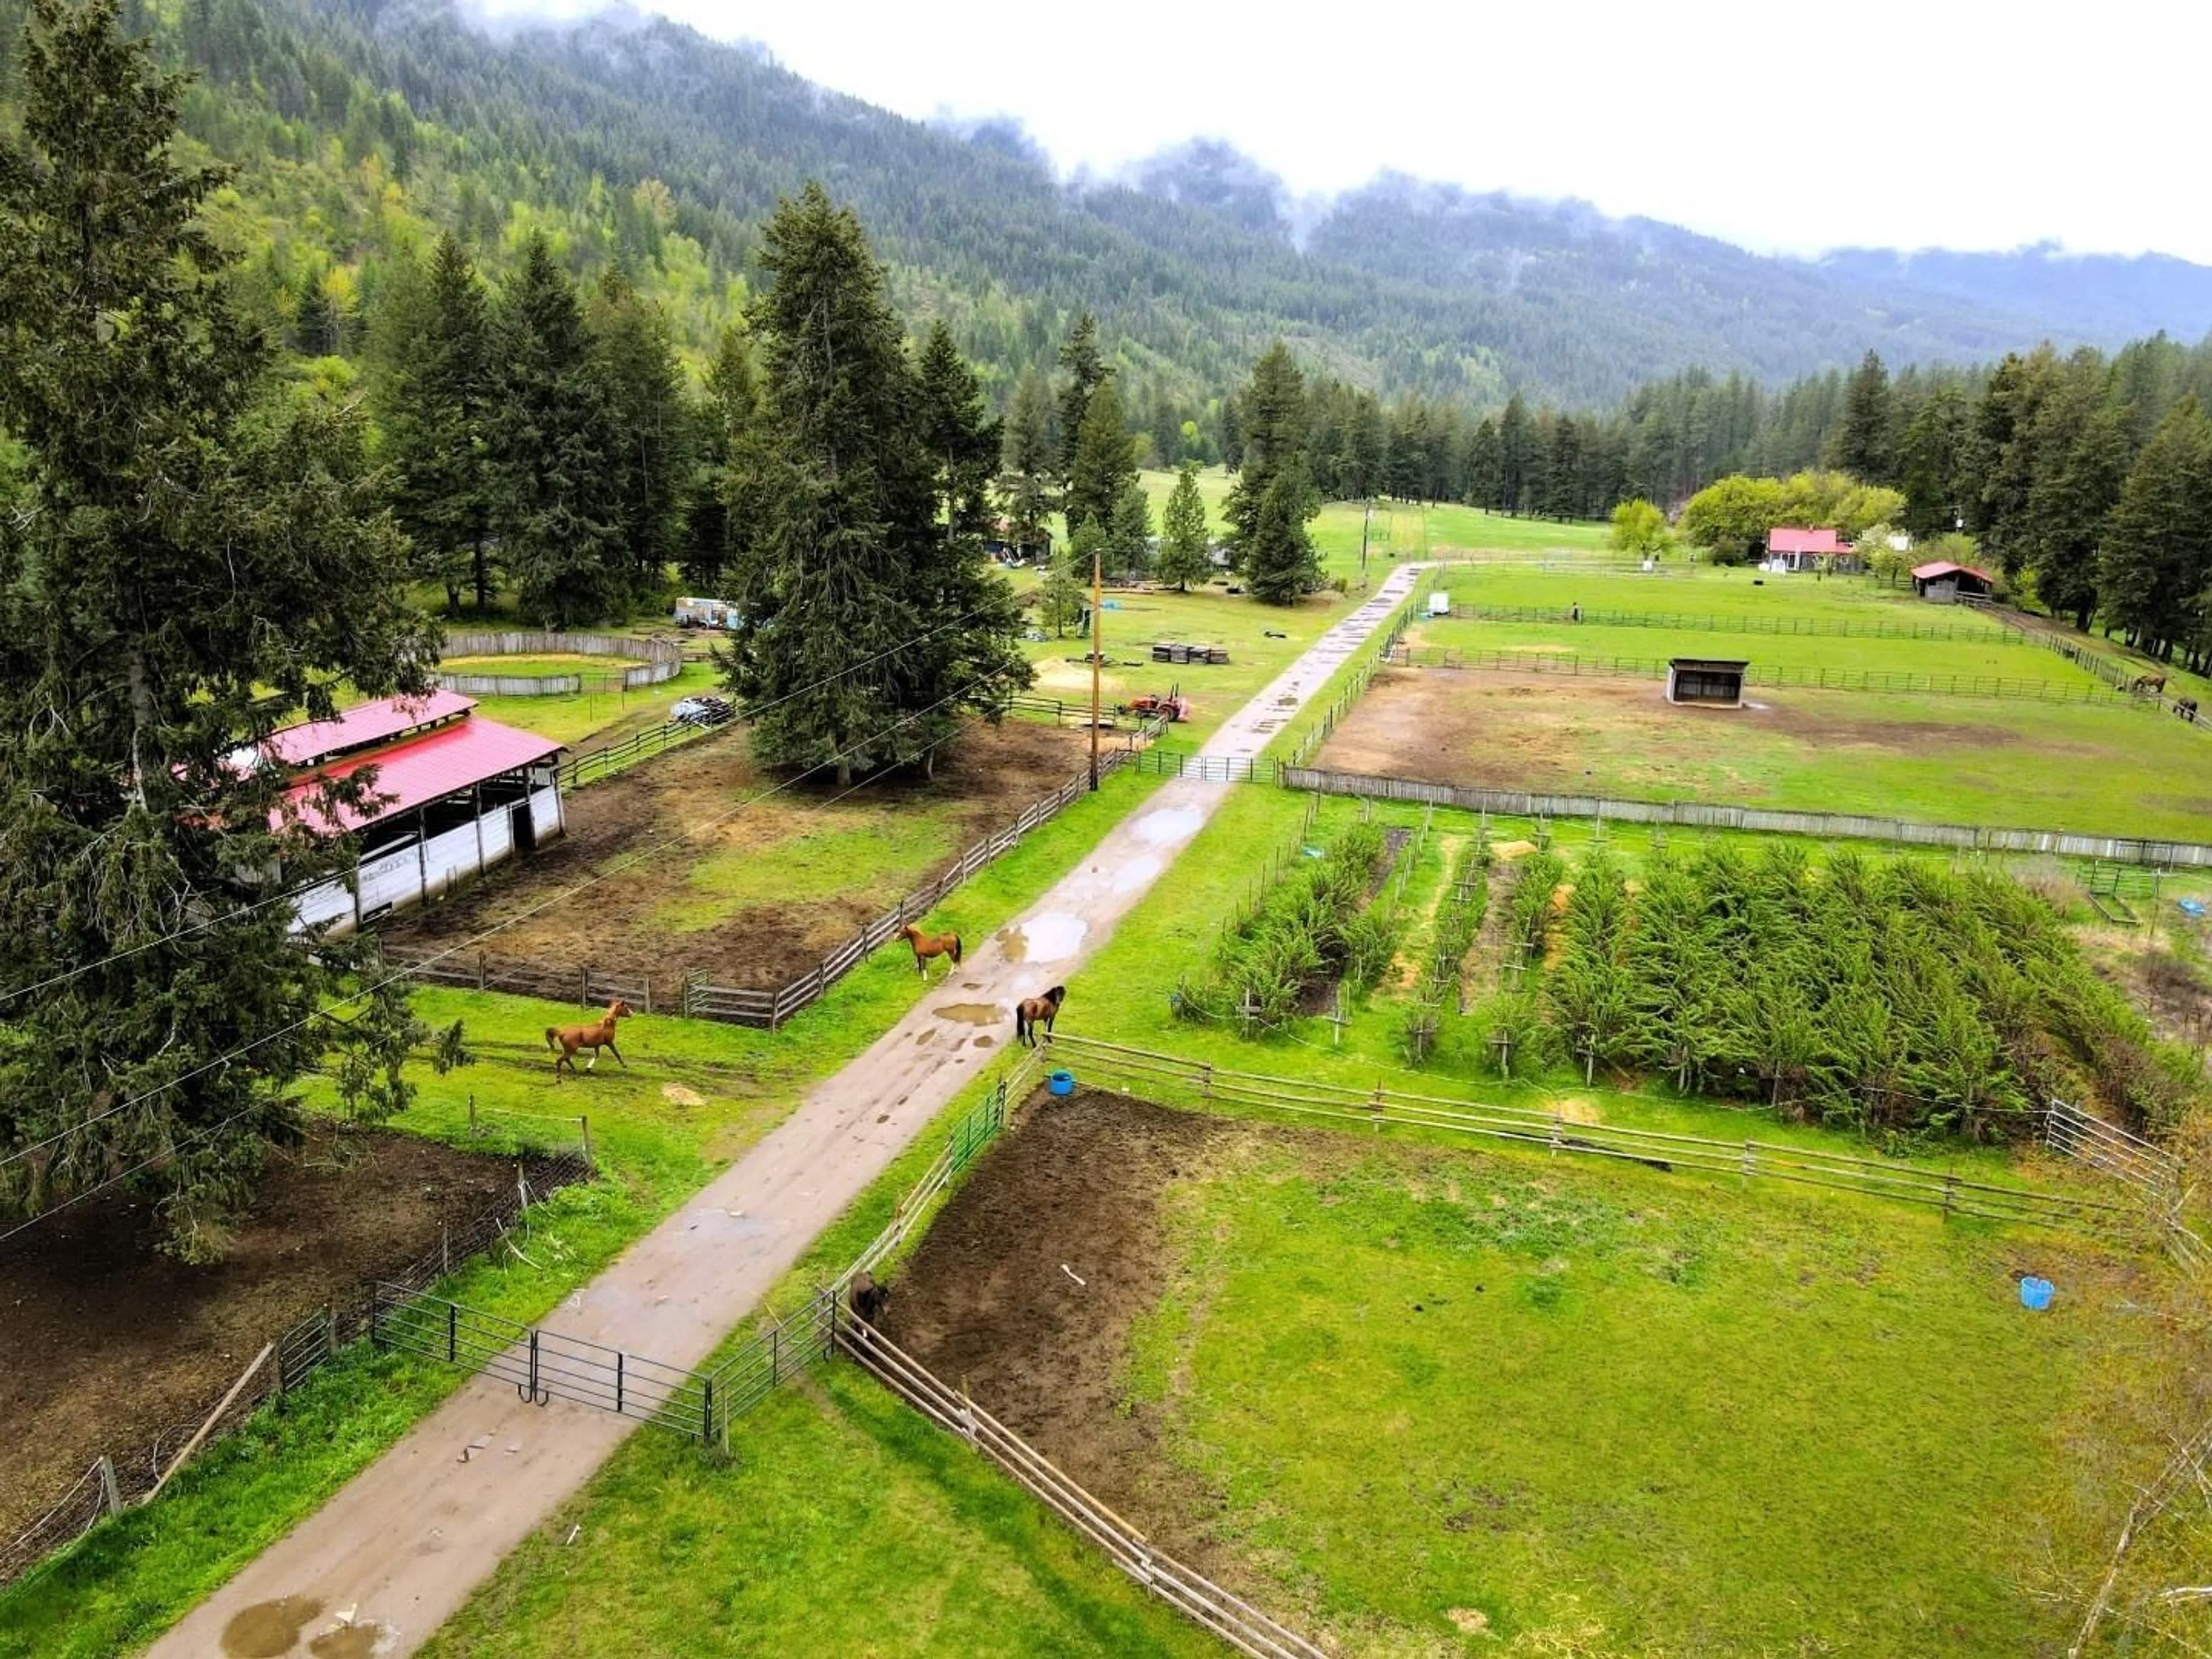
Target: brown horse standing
(569, 1038)
(926, 945)
(1033, 1012)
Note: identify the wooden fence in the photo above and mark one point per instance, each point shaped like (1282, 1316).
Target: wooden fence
(1228, 1616)
(1701, 815)
(603, 764)
(1379, 651)
(653, 661)
(1828, 679)
(117, 1480)
(2120, 673)
(1842, 627)
(1153, 1074)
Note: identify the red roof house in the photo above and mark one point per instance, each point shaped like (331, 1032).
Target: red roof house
(1943, 581)
(1790, 547)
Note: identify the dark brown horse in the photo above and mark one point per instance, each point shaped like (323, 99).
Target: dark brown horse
(926, 945)
(569, 1038)
(1037, 1010)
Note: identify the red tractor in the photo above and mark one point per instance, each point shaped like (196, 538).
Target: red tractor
(1174, 706)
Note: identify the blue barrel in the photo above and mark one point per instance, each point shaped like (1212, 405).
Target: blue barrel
(2036, 1293)
(1061, 1082)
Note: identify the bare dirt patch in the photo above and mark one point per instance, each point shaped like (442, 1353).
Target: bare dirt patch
(110, 1344)
(663, 918)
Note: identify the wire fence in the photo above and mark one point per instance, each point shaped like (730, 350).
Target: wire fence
(1949, 1193)
(129, 1474)
(2128, 675)
(2003, 687)
(1750, 623)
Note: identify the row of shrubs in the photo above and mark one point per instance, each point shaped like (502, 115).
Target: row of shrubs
(1459, 919)
(1311, 925)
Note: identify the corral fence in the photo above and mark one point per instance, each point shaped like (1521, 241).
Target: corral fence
(2154, 1175)
(602, 763)
(1816, 680)
(121, 1478)
(1689, 622)
(1379, 653)
(1700, 815)
(1952, 1195)
(1228, 1616)
(2120, 673)
(654, 662)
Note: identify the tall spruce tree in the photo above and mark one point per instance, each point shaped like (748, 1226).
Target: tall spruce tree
(1183, 558)
(973, 656)
(1275, 423)
(653, 430)
(1087, 370)
(190, 554)
(1864, 443)
(1280, 564)
(1516, 456)
(1129, 532)
(2080, 447)
(434, 398)
(556, 498)
(1105, 461)
(1930, 464)
(724, 502)
(1025, 485)
(2155, 565)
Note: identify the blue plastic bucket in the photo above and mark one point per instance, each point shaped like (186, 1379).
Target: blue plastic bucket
(2036, 1293)
(1061, 1082)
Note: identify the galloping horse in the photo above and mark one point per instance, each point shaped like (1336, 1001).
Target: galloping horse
(569, 1038)
(1035, 1010)
(926, 945)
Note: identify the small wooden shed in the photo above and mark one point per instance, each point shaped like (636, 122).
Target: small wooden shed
(1713, 682)
(1944, 582)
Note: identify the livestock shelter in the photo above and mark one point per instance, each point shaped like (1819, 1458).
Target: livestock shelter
(1945, 583)
(453, 794)
(1711, 682)
(1789, 547)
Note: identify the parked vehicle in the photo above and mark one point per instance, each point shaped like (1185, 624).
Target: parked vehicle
(703, 711)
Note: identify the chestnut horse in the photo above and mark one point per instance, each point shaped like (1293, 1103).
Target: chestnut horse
(1033, 1012)
(926, 945)
(569, 1038)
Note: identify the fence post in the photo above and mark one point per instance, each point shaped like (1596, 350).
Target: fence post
(1950, 1194)
(1750, 1161)
(620, 1359)
(473, 1115)
(586, 997)
(109, 1492)
(1557, 1138)
(707, 1414)
(375, 1306)
(584, 1128)
(453, 1332)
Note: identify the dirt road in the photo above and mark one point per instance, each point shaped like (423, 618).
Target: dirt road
(401, 1547)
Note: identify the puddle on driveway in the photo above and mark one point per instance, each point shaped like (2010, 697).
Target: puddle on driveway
(268, 1630)
(1134, 874)
(970, 1013)
(1168, 824)
(1049, 936)
(348, 1642)
(986, 1043)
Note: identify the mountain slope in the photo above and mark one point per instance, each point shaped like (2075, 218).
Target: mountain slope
(2104, 297)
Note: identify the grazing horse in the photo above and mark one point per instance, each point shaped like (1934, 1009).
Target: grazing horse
(2153, 684)
(569, 1038)
(867, 1298)
(1033, 1012)
(926, 945)
(2185, 709)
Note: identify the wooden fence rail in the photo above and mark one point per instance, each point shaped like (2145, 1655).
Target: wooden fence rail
(1380, 1107)
(1826, 627)
(1831, 679)
(1197, 1597)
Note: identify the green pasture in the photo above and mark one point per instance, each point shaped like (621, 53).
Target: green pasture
(1993, 655)
(693, 1097)
(1209, 616)
(536, 667)
(1592, 1411)
(1680, 587)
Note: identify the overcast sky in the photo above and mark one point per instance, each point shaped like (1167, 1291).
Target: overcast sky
(1777, 125)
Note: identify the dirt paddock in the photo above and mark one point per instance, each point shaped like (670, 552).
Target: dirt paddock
(1025, 1288)
(755, 899)
(109, 1343)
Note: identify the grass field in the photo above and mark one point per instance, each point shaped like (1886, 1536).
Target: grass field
(539, 667)
(1588, 1411)
(2096, 767)
(589, 720)
(1679, 587)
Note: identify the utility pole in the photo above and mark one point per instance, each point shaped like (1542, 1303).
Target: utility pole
(1365, 519)
(1097, 637)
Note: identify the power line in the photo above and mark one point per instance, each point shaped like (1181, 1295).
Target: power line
(48, 983)
(327, 1012)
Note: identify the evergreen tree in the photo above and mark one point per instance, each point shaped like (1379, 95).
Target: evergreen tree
(1104, 461)
(1516, 448)
(2156, 561)
(971, 657)
(1999, 462)
(1864, 442)
(1931, 458)
(724, 496)
(1274, 424)
(654, 431)
(1184, 543)
(1129, 534)
(1486, 469)
(1066, 586)
(190, 554)
(1025, 485)
(1087, 370)
(1280, 565)
(2080, 447)
(556, 501)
